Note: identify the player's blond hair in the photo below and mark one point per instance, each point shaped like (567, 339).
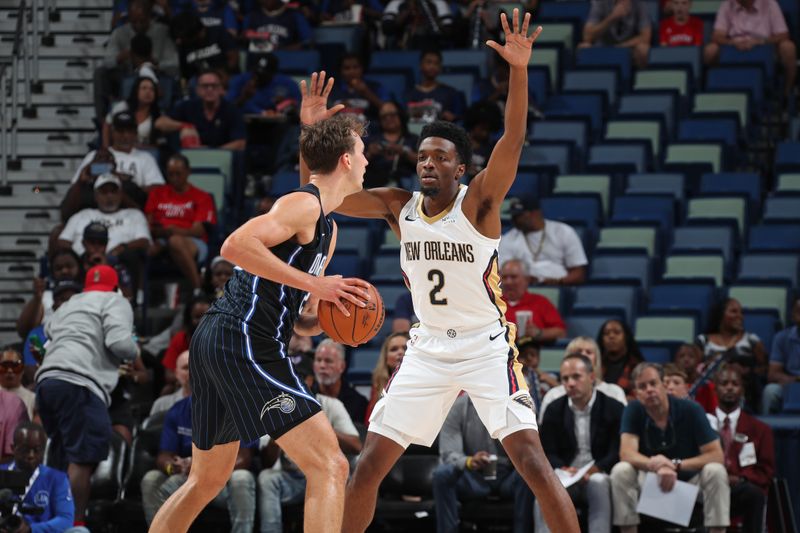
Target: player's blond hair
(323, 143)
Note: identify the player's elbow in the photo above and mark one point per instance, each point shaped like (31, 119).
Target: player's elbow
(231, 248)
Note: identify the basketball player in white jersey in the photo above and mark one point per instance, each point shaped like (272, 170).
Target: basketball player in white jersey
(449, 236)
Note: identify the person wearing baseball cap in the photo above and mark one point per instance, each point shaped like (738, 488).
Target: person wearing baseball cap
(91, 335)
(551, 250)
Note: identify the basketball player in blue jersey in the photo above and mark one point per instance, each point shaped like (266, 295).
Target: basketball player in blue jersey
(243, 385)
(449, 236)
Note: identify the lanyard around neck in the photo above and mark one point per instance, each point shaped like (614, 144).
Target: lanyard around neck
(538, 251)
(31, 481)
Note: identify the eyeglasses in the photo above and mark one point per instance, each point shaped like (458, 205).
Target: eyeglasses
(12, 366)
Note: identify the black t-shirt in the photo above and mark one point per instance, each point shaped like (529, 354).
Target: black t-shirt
(227, 124)
(211, 52)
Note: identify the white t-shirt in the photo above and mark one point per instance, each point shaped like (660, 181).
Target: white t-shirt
(143, 129)
(137, 163)
(125, 225)
(561, 249)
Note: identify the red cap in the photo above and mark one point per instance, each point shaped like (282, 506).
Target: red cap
(101, 278)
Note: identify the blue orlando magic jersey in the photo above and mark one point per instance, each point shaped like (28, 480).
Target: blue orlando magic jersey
(268, 310)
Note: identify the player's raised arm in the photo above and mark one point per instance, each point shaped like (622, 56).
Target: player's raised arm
(495, 180)
(383, 202)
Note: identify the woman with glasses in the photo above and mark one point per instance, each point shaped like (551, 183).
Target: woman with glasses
(11, 371)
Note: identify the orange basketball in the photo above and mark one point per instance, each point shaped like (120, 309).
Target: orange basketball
(358, 328)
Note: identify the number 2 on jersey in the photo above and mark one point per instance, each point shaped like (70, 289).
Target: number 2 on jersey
(437, 276)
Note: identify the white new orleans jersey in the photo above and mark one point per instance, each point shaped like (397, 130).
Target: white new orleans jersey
(450, 267)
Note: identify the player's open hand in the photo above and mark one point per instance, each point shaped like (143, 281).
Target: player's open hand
(517, 49)
(314, 105)
(336, 288)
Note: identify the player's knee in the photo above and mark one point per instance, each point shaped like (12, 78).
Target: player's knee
(338, 468)
(208, 480)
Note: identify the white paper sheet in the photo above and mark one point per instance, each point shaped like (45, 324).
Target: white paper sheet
(568, 479)
(674, 506)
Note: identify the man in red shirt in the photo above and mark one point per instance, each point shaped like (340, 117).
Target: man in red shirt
(178, 214)
(534, 315)
(681, 29)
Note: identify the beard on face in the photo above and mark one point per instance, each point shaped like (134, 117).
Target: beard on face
(431, 192)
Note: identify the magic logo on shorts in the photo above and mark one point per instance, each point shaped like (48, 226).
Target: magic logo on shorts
(284, 403)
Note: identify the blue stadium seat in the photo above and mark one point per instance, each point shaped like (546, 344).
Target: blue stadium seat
(596, 297)
(714, 239)
(574, 131)
(645, 208)
(791, 399)
(769, 267)
(298, 61)
(362, 363)
(538, 84)
(586, 324)
(553, 156)
(404, 62)
(762, 55)
(395, 84)
(621, 268)
(654, 352)
(678, 55)
(732, 182)
(563, 11)
(603, 80)
(356, 239)
(651, 103)
(568, 105)
(607, 56)
(466, 61)
(348, 35)
(581, 208)
(283, 182)
(782, 208)
(385, 268)
(390, 292)
(725, 130)
(347, 265)
(763, 324)
(656, 183)
(737, 78)
(527, 184)
(693, 297)
(463, 82)
(659, 328)
(774, 238)
(616, 156)
(787, 156)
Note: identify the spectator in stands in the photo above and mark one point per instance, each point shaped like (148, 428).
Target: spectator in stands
(392, 351)
(784, 363)
(581, 427)
(482, 121)
(689, 359)
(726, 340)
(539, 382)
(619, 354)
(675, 380)
(48, 489)
(681, 29)
(473, 466)
(117, 60)
(203, 48)
(273, 25)
(95, 246)
(412, 25)
(12, 367)
(329, 367)
(179, 342)
(404, 315)
(351, 11)
(533, 314)
(80, 194)
(180, 217)
(207, 121)
(673, 439)
(164, 403)
(477, 23)
(431, 100)
(127, 236)
(90, 336)
(65, 265)
(622, 23)
(12, 413)
(212, 14)
(587, 347)
(264, 91)
(174, 461)
(137, 169)
(748, 23)
(748, 448)
(216, 276)
(551, 250)
(142, 104)
(495, 90)
(277, 487)
(392, 152)
(361, 98)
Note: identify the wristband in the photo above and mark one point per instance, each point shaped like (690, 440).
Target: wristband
(469, 463)
(168, 469)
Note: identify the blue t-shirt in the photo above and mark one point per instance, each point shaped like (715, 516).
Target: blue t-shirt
(50, 491)
(786, 350)
(227, 124)
(279, 92)
(354, 103)
(267, 33)
(687, 429)
(219, 15)
(429, 106)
